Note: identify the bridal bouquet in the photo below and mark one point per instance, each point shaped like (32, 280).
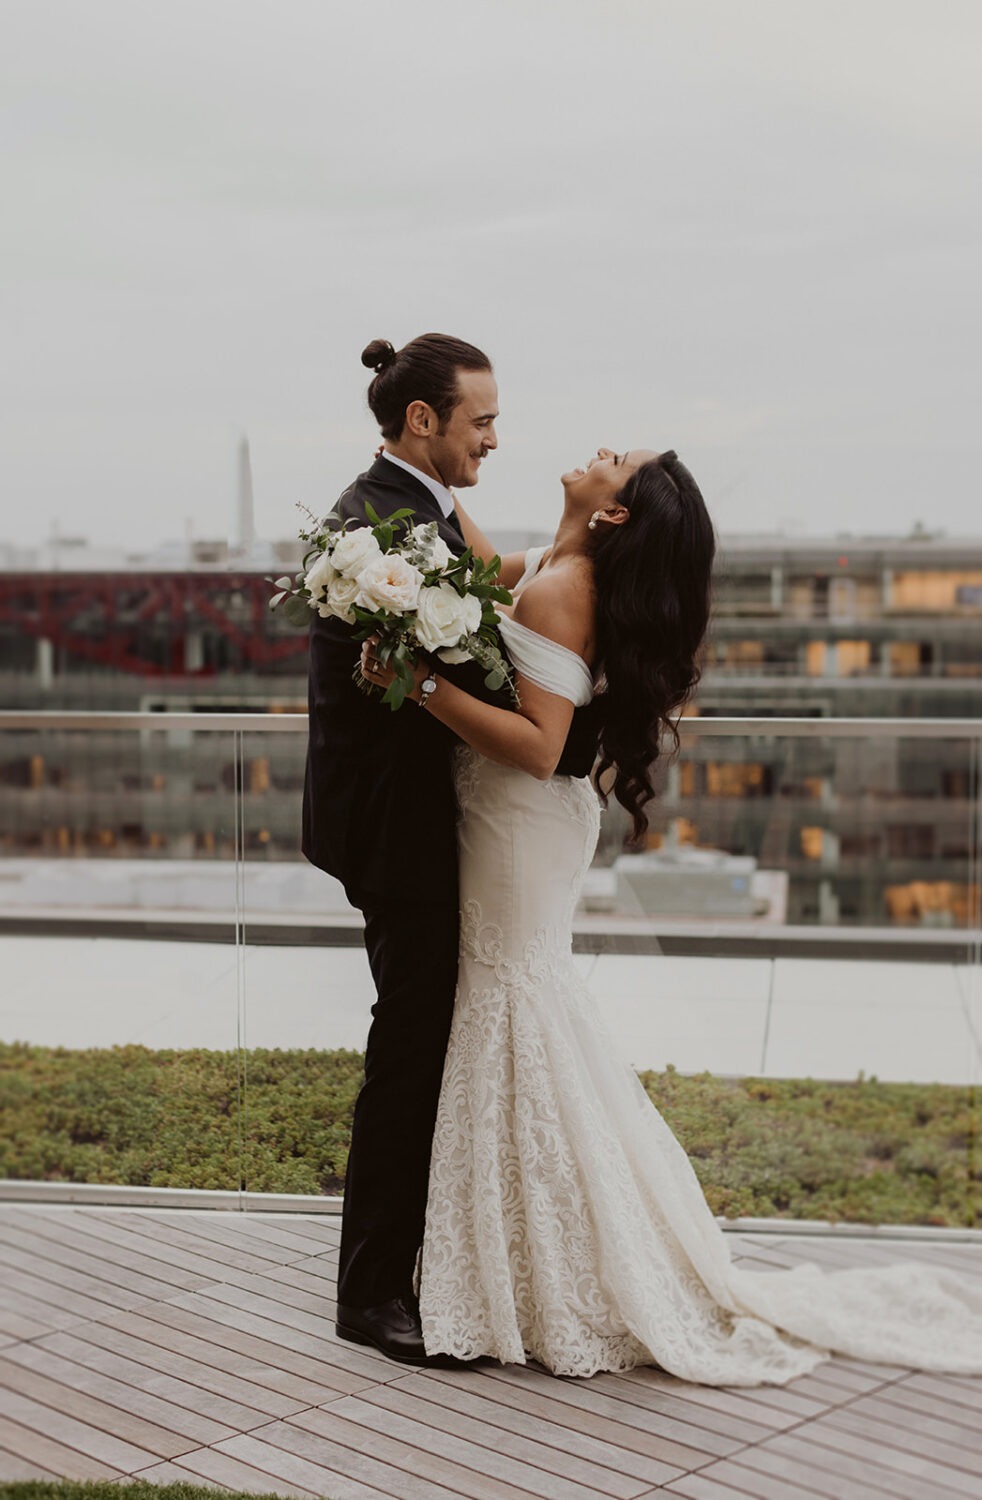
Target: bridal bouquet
(403, 585)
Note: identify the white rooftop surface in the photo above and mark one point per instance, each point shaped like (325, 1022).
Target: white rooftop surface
(786, 1017)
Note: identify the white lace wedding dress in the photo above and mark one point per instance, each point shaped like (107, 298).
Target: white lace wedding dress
(564, 1221)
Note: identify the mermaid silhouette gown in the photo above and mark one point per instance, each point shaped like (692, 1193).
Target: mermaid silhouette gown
(564, 1221)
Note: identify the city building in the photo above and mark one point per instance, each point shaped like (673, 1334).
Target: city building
(868, 830)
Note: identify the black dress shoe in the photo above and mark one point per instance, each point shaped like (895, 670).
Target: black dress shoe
(393, 1328)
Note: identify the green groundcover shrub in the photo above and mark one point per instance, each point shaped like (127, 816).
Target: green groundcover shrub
(866, 1151)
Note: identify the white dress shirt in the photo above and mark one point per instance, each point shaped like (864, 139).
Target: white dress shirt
(443, 497)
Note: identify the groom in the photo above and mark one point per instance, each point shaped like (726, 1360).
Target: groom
(379, 814)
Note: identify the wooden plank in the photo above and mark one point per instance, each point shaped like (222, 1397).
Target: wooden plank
(905, 1397)
(920, 1414)
(174, 1392)
(41, 1300)
(770, 1405)
(88, 1438)
(713, 1418)
(898, 1475)
(14, 1469)
(281, 1360)
(207, 1467)
(786, 1485)
(317, 1271)
(322, 1229)
(565, 1418)
(800, 1476)
(62, 1460)
(299, 1331)
(961, 1398)
(461, 1469)
(278, 1291)
(74, 1273)
(330, 1470)
(702, 1487)
(172, 1473)
(239, 1232)
(107, 1257)
(836, 1378)
(227, 1397)
(18, 1324)
(182, 1238)
(911, 1438)
(623, 1468)
(434, 1425)
(579, 1395)
(121, 1407)
(95, 1234)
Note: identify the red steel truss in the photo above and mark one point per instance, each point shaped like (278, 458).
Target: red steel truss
(114, 618)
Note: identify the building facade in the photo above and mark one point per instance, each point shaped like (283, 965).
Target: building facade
(870, 830)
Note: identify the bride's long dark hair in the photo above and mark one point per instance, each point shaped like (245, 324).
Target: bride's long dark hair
(652, 576)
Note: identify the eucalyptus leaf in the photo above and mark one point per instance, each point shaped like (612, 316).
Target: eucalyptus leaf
(297, 610)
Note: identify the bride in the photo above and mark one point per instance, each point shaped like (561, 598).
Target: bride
(564, 1221)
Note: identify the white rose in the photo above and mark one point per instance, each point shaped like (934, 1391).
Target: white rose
(342, 593)
(432, 545)
(389, 583)
(442, 616)
(319, 576)
(453, 656)
(354, 551)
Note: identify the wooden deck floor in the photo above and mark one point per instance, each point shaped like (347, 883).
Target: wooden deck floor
(200, 1345)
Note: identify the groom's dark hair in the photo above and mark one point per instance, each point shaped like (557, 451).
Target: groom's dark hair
(425, 369)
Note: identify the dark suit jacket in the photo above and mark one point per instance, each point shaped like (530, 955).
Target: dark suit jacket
(378, 807)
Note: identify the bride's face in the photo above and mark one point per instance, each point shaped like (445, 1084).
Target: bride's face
(596, 485)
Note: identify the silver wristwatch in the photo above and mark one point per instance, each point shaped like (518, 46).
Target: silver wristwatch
(426, 688)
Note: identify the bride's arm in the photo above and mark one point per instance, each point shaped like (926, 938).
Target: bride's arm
(512, 565)
(532, 738)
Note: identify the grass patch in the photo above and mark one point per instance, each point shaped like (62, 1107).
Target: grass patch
(868, 1152)
(865, 1152)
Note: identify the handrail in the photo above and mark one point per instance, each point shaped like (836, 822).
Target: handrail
(695, 727)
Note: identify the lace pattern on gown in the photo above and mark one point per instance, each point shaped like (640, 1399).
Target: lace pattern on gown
(564, 1221)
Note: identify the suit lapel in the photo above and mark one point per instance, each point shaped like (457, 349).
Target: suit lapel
(408, 487)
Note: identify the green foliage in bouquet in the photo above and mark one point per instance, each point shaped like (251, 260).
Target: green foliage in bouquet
(391, 601)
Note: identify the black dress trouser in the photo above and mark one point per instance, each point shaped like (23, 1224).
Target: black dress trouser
(412, 951)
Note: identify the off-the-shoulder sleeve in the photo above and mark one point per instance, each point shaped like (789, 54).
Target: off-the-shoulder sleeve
(546, 663)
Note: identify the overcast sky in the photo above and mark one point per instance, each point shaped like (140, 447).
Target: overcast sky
(746, 229)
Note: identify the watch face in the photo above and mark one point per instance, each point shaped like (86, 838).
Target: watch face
(428, 686)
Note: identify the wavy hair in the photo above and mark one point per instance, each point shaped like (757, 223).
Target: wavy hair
(652, 575)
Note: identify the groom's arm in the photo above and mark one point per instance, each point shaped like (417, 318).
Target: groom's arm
(512, 565)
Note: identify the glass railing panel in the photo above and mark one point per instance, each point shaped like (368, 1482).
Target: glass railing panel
(801, 934)
(122, 996)
(307, 983)
(814, 898)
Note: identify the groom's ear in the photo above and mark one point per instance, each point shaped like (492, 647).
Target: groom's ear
(421, 419)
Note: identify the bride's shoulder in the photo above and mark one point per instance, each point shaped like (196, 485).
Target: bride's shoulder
(558, 603)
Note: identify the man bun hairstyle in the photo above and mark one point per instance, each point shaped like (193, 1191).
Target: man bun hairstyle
(378, 355)
(425, 369)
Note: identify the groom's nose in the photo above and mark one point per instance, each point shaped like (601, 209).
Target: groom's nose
(490, 438)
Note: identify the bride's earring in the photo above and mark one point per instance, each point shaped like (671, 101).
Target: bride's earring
(591, 525)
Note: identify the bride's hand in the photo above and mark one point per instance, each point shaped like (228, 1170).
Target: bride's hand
(380, 674)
